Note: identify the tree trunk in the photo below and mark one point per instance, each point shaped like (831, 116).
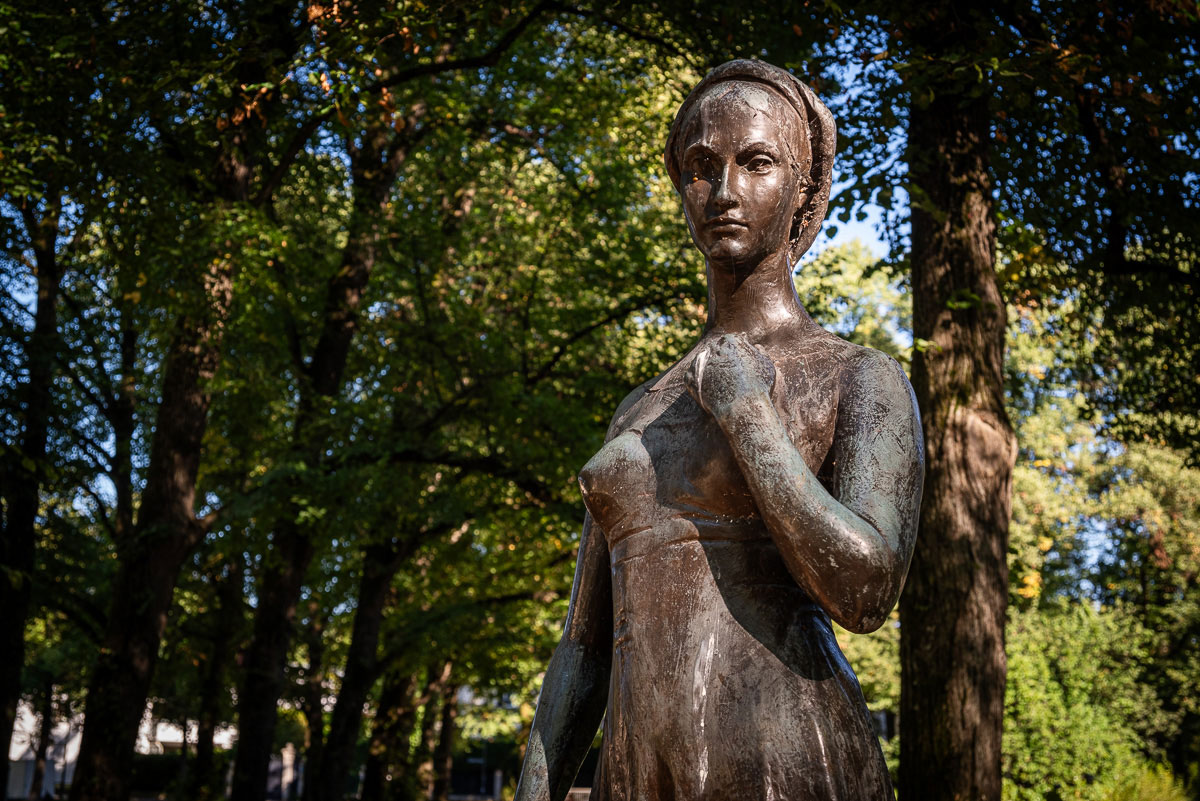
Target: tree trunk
(380, 563)
(443, 754)
(212, 684)
(165, 533)
(264, 667)
(183, 748)
(424, 768)
(45, 732)
(388, 754)
(22, 477)
(953, 608)
(374, 166)
(311, 702)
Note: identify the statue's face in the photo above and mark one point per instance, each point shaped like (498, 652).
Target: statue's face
(738, 180)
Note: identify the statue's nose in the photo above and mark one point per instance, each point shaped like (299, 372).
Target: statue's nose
(726, 194)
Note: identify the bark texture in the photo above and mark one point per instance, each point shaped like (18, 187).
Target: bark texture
(45, 732)
(953, 610)
(422, 762)
(443, 754)
(224, 627)
(312, 697)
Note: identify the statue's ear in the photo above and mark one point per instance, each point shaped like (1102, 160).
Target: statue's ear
(803, 231)
(803, 202)
(797, 221)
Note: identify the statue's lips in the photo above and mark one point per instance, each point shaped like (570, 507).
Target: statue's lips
(725, 225)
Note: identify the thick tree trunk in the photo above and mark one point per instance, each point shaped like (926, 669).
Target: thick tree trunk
(953, 608)
(22, 476)
(443, 754)
(380, 563)
(388, 754)
(165, 533)
(374, 166)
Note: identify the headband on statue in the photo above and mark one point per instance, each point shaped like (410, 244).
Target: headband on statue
(818, 125)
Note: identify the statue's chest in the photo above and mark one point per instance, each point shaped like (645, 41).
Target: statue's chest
(806, 397)
(672, 457)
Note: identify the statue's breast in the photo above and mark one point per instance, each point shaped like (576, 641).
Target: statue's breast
(670, 460)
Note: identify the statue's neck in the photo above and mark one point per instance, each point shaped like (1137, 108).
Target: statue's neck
(753, 300)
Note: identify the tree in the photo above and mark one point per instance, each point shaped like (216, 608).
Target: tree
(113, 76)
(42, 154)
(952, 710)
(1110, 205)
(167, 526)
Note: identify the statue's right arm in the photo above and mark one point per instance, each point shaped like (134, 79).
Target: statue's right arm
(575, 689)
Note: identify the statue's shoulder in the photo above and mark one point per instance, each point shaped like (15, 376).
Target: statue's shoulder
(845, 361)
(866, 361)
(872, 377)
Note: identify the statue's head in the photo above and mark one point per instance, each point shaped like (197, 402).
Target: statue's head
(751, 153)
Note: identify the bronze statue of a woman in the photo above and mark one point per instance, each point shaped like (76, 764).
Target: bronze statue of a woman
(766, 482)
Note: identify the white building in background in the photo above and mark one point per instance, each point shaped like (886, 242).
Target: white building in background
(60, 758)
(154, 737)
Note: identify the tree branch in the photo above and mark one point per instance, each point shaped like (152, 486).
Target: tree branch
(538, 491)
(94, 450)
(487, 59)
(564, 345)
(629, 31)
(290, 153)
(100, 508)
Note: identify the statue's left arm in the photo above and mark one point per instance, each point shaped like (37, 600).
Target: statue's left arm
(848, 546)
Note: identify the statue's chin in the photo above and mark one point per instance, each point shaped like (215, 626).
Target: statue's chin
(728, 253)
(733, 256)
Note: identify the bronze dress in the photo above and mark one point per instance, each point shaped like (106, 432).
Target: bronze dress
(727, 682)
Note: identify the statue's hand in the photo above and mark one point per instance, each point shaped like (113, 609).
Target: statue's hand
(725, 369)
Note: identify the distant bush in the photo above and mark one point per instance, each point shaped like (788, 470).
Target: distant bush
(1151, 783)
(1069, 730)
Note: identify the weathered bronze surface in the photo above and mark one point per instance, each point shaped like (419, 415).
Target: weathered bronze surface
(765, 483)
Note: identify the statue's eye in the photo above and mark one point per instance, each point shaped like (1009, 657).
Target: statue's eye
(700, 168)
(760, 163)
